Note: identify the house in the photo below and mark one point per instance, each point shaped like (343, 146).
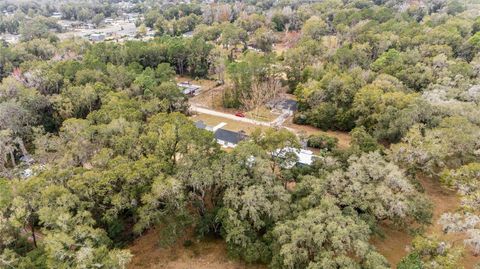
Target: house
(97, 37)
(189, 89)
(188, 34)
(226, 138)
(304, 157)
(56, 15)
(283, 105)
(9, 38)
(27, 159)
(66, 25)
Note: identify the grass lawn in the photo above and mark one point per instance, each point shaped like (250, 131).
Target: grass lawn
(232, 125)
(262, 114)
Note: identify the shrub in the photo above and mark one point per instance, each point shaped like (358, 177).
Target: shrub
(322, 141)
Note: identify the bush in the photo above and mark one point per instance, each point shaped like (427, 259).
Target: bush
(300, 118)
(322, 141)
(363, 140)
(412, 261)
(323, 116)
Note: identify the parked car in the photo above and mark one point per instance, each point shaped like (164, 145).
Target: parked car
(240, 114)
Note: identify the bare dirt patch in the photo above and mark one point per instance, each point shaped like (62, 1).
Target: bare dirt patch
(210, 98)
(207, 254)
(287, 40)
(395, 244)
(344, 138)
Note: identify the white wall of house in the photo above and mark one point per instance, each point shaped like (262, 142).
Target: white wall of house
(225, 144)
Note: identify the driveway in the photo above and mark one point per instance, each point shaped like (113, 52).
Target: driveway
(275, 123)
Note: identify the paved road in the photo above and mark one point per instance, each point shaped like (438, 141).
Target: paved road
(274, 123)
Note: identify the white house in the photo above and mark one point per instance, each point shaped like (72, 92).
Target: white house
(97, 37)
(304, 157)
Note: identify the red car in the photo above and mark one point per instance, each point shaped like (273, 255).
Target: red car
(240, 114)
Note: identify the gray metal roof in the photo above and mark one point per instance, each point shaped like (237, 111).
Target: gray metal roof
(229, 136)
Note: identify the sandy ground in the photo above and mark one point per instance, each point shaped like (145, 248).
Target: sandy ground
(395, 244)
(207, 254)
(344, 138)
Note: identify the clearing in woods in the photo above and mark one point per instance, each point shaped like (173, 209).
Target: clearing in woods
(344, 138)
(206, 254)
(394, 245)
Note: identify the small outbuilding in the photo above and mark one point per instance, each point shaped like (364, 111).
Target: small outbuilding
(189, 89)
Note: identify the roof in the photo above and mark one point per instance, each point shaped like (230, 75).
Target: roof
(222, 134)
(229, 136)
(288, 104)
(283, 104)
(304, 156)
(188, 88)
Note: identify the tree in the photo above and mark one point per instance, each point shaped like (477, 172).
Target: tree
(465, 180)
(279, 21)
(363, 141)
(76, 229)
(35, 29)
(170, 136)
(450, 145)
(252, 202)
(98, 19)
(151, 17)
(280, 146)
(325, 237)
(314, 28)
(263, 39)
(322, 141)
(255, 81)
(431, 253)
(231, 37)
(7, 147)
(142, 31)
(368, 178)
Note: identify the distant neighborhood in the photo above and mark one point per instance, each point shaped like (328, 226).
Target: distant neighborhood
(119, 29)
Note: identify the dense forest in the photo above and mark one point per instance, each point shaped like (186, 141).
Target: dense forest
(97, 143)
